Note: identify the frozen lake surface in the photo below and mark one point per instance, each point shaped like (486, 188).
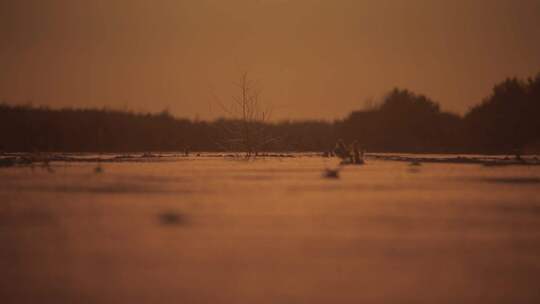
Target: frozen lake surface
(217, 230)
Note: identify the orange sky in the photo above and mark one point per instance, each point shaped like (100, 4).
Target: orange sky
(313, 58)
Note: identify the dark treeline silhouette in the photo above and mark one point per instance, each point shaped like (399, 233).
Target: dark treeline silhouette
(507, 121)
(30, 129)
(404, 122)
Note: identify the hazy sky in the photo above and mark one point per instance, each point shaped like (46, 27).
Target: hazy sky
(312, 58)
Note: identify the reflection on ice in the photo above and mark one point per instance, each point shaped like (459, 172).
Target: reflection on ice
(216, 230)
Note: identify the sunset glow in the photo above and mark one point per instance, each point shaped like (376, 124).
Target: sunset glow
(314, 58)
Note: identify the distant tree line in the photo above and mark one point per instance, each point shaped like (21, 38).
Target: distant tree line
(505, 122)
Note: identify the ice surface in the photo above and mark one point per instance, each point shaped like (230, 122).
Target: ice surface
(274, 230)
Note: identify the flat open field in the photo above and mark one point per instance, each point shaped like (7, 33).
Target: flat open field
(218, 230)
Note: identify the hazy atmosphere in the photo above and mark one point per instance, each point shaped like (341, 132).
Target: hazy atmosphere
(269, 151)
(312, 58)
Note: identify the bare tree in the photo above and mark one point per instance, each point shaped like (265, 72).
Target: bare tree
(246, 128)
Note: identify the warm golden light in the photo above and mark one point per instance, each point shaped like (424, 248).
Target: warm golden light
(315, 59)
(269, 151)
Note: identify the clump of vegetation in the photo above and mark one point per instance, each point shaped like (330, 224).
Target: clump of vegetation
(7, 162)
(331, 173)
(99, 169)
(173, 218)
(353, 155)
